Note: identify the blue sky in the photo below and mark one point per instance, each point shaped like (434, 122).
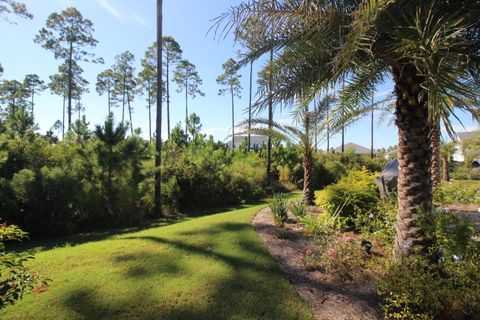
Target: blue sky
(122, 25)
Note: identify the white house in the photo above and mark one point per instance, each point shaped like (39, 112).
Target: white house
(256, 141)
(458, 156)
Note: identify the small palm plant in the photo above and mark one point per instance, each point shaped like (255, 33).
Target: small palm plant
(307, 124)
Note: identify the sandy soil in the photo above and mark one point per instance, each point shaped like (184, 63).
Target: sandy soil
(328, 300)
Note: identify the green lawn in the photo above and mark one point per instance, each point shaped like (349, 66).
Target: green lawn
(212, 267)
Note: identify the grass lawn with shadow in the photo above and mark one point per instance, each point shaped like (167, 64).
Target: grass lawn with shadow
(211, 267)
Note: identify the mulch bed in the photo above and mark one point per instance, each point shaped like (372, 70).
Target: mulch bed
(328, 300)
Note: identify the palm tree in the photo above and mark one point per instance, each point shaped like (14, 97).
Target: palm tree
(302, 134)
(447, 149)
(428, 48)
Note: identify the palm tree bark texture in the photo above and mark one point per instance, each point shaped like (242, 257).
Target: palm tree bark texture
(308, 192)
(435, 146)
(414, 156)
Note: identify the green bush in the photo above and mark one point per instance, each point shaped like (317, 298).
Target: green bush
(460, 192)
(380, 222)
(48, 201)
(298, 209)
(341, 258)
(449, 288)
(15, 279)
(356, 194)
(279, 209)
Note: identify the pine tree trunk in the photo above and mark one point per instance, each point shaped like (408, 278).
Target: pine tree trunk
(158, 129)
(123, 103)
(250, 105)
(233, 120)
(109, 103)
(168, 99)
(149, 114)
(63, 123)
(414, 157)
(70, 85)
(130, 112)
(186, 107)
(435, 146)
(33, 102)
(446, 173)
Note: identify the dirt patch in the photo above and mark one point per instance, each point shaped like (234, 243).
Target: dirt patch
(328, 300)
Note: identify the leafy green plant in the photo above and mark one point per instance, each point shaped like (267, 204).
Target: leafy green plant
(15, 279)
(298, 209)
(416, 288)
(279, 209)
(461, 192)
(356, 194)
(312, 225)
(341, 258)
(380, 221)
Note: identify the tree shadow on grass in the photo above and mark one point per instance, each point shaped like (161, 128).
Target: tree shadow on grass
(74, 240)
(254, 288)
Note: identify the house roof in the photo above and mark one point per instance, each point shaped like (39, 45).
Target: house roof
(358, 149)
(464, 136)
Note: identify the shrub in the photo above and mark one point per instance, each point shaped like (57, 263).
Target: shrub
(341, 258)
(298, 209)
(48, 201)
(356, 194)
(15, 279)
(418, 288)
(461, 192)
(380, 222)
(279, 209)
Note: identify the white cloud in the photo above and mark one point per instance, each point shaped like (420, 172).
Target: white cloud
(111, 10)
(140, 20)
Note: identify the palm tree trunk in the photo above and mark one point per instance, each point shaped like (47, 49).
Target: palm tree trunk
(414, 157)
(371, 130)
(446, 173)
(308, 192)
(250, 106)
(270, 123)
(435, 146)
(328, 129)
(158, 129)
